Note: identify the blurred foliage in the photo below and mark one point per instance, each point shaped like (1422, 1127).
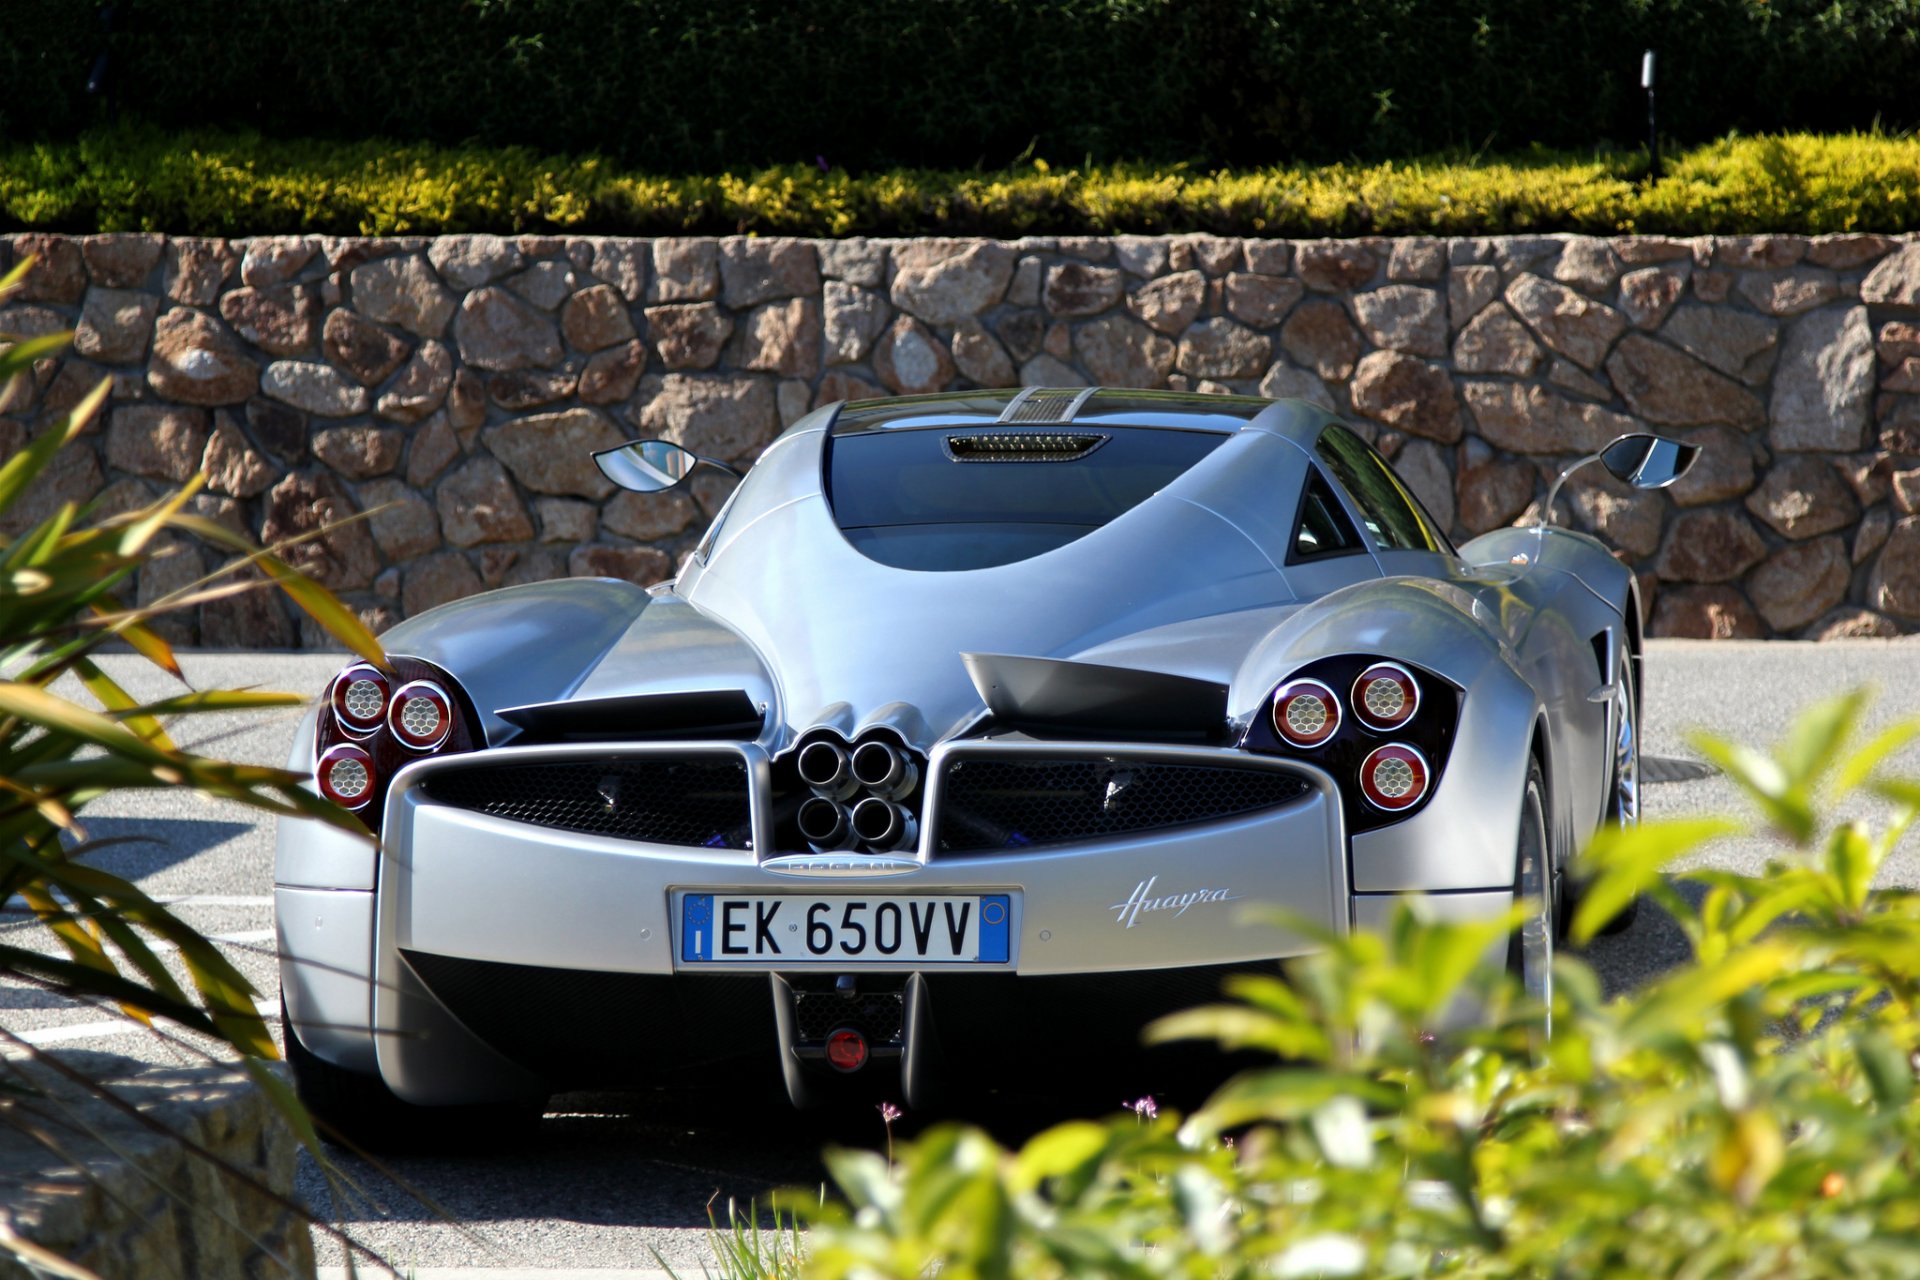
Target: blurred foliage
(63, 583)
(140, 178)
(702, 86)
(1749, 1113)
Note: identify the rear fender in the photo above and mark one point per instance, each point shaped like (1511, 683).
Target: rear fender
(1464, 837)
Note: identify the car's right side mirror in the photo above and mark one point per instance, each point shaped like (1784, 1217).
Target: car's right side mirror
(646, 466)
(1647, 461)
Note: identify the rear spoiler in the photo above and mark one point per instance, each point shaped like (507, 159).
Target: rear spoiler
(703, 713)
(1052, 694)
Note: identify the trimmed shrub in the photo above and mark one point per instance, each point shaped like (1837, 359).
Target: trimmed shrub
(240, 184)
(695, 85)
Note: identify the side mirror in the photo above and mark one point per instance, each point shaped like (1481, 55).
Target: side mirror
(1648, 461)
(651, 466)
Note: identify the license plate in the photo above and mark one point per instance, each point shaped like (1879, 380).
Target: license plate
(779, 929)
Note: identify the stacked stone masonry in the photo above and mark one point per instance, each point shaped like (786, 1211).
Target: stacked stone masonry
(127, 1198)
(454, 387)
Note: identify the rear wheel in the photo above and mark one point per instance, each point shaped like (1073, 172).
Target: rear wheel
(1623, 791)
(362, 1110)
(1530, 951)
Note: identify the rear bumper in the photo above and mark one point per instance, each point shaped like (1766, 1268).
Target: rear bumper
(498, 958)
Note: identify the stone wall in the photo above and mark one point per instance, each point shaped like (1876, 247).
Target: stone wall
(134, 1204)
(458, 384)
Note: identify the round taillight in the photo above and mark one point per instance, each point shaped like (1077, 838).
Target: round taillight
(360, 698)
(421, 715)
(1394, 777)
(1305, 712)
(345, 775)
(847, 1049)
(1385, 696)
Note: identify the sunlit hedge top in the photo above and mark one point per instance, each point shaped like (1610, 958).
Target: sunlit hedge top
(239, 184)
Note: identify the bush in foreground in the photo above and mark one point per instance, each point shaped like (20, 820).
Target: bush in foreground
(234, 184)
(1751, 1113)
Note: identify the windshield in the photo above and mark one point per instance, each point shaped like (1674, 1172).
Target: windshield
(968, 497)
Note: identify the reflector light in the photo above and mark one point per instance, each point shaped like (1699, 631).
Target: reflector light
(847, 1049)
(421, 715)
(1385, 696)
(360, 698)
(1305, 712)
(1394, 777)
(345, 775)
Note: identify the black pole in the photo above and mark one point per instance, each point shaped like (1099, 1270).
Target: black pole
(1653, 123)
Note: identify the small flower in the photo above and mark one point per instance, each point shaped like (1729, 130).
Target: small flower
(889, 1112)
(1145, 1108)
(822, 162)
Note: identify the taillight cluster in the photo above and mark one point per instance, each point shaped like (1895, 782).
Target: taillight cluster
(375, 722)
(1337, 712)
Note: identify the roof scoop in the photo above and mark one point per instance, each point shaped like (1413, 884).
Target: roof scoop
(1023, 446)
(1055, 694)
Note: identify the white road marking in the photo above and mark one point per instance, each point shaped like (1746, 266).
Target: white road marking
(42, 1036)
(14, 906)
(370, 1272)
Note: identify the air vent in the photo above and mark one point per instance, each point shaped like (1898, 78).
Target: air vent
(1045, 404)
(1022, 446)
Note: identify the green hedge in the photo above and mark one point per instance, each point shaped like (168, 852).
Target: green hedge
(239, 184)
(706, 85)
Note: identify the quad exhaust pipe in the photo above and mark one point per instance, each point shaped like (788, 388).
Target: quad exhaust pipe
(831, 818)
(884, 769)
(881, 824)
(823, 823)
(825, 768)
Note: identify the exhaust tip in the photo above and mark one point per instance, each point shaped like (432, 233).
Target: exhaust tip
(822, 821)
(878, 822)
(877, 765)
(823, 765)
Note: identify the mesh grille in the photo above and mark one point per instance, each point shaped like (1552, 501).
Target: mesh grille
(699, 800)
(994, 805)
(876, 1015)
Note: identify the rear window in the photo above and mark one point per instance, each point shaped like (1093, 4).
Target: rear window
(953, 498)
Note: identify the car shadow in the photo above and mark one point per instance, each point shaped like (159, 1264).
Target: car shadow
(134, 848)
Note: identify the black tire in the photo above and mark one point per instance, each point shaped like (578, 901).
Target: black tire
(1623, 791)
(1623, 778)
(363, 1112)
(1530, 949)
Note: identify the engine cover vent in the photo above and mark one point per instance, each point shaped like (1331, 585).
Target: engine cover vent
(1046, 404)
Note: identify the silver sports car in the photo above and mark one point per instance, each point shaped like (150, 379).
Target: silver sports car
(968, 737)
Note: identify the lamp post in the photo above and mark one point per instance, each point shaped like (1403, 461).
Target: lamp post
(1653, 127)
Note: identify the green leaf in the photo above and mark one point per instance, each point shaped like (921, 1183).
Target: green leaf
(1853, 859)
(1058, 1152)
(1859, 766)
(1624, 862)
(1813, 743)
(1764, 780)
(1887, 1068)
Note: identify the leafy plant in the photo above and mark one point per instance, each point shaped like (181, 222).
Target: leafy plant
(1750, 1113)
(221, 183)
(62, 590)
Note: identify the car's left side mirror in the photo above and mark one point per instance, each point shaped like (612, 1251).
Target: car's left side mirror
(652, 466)
(1647, 461)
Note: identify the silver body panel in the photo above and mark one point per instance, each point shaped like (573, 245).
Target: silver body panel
(1194, 581)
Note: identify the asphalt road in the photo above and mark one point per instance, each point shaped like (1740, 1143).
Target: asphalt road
(606, 1182)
